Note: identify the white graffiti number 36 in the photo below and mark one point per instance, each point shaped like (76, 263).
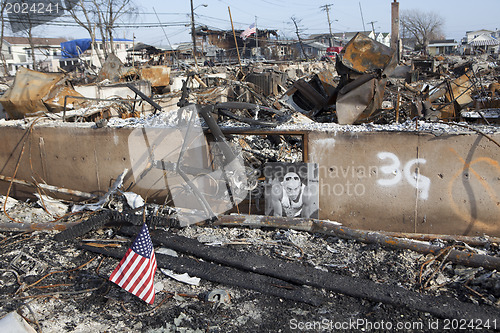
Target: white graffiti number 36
(415, 179)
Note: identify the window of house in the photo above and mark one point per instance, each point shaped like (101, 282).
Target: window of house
(118, 46)
(28, 53)
(100, 47)
(55, 52)
(10, 50)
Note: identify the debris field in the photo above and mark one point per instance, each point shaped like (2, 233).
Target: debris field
(242, 268)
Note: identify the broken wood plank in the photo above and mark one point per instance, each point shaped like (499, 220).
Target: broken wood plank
(52, 188)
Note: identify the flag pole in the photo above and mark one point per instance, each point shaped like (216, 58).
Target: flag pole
(256, 37)
(235, 41)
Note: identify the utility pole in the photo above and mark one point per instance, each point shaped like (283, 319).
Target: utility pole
(373, 29)
(395, 28)
(362, 19)
(133, 50)
(327, 9)
(294, 20)
(193, 33)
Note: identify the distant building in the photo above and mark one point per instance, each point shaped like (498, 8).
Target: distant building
(314, 50)
(446, 46)
(483, 41)
(381, 37)
(142, 53)
(17, 52)
(342, 38)
(220, 44)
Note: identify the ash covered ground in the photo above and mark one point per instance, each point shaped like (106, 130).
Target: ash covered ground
(56, 286)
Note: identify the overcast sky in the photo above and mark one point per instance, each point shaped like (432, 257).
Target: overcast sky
(459, 16)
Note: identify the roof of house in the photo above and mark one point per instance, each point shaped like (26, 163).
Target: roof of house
(474, 31)
(443, 41)
(36, 41)
(483, 40)
(316, 45)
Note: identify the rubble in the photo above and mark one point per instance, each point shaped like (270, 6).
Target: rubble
(223, 266)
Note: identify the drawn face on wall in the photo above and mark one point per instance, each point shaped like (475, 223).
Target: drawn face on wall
(292, 183)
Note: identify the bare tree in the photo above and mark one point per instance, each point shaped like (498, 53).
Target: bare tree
(83, 16)
(113, 11)
(103, 15)
(422, 26)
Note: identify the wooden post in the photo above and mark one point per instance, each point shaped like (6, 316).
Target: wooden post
(235, 41)
(397, 106)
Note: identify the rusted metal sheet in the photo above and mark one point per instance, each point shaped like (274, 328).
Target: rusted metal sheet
(363, 54)
(311, 94)
(34, 91)
(327, 81)
(364, 60)
(359, 99)
(54, 101)
(159, 76)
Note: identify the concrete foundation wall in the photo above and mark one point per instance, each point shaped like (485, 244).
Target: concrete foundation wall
(85, 159)
(409, 182)
(405, 182)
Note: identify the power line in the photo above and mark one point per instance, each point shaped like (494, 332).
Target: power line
(74, 24)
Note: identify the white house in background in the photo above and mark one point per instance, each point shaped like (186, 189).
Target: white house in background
(381, 37)
(470, 35)
(17, 52)
(445, 46)
(485, 40)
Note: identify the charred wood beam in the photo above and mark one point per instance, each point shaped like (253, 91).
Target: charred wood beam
(247, 120)
(371, 237)
(470, 240)
(103, 217)
(227, 276)
(143, 96)
(443, 307)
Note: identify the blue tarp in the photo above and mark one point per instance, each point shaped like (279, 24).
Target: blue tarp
(74, 48)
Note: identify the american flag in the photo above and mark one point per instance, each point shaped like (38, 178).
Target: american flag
(250, 30)
(135, 272)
